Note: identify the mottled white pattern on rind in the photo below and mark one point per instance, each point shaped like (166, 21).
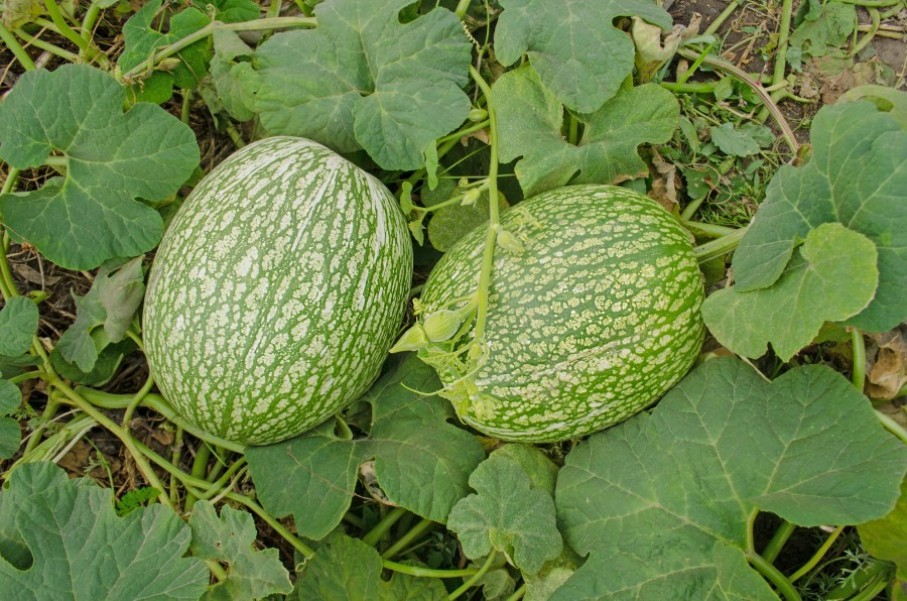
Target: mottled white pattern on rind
(276, 292)
(594, 321)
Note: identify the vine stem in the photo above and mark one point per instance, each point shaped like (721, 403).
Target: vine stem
(719, 247)
(381, 528)
(781, 583)
(304, 550)
(720, 19)
(156, 403)
(743, 76)
(412, 534)
(493, 210)
(258, 25)
(475, 577)
(16, 48)
(859, 358)
(817, 556)
(128, 441)
(419, 572)
(47, 46)
(774, 546)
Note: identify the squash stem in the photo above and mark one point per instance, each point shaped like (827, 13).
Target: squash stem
(817, 556)
(383, 527)
(493, 211)
(475, 577)
(411, 535)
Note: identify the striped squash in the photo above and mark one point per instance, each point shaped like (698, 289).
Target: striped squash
(276, 291)
(594, 312)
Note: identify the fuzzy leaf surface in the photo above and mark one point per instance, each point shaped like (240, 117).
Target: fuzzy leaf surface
(113, 159)
(18, 324)
(363, 80)
(61, 540)
(573, 46)
(507, 515)
(832, 277)
(856, 177)
(346, 569)
(531, 119)
(421, 461)
(661, 502)
(230, 540)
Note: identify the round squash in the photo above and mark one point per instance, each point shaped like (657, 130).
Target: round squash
(593, 313)
(276, 292)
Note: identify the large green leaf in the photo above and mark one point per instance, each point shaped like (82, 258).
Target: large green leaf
(507, 515)
(531, 120)
(661, 503)
(422, 462)
(230, 540)
(363, 80)
(857, 177)
(112, 160)
(18, 324)
(61, 540)
(790, 313)
(574, 46)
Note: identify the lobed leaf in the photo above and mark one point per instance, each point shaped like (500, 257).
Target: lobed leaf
(363, 80)
(531, 119)
(574, 47)
(112, 160)
(661, 503)
(61, 539)
(810, 292)
(421, 461)
(507, 515)
(855, 177)
(230, 540)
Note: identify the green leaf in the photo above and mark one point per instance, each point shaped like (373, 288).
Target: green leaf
(363, 80)
(661, 502)
(530, 123)
(229, 11)
(825, 28)
(345, 568)
(10, 397)
(884, 539)
(61, 539)
(732, 141)
(113, 159)
(832, 277)
(10, 367)
(105, 367)
(889, 100)
(506, 515)
(143, 39)
(541, 470)
(573, 46)
(18, 324)
(857, 177)
(422, 462)
(10, 434)
(110, 304)
(233, 76)
(230, 540)
(312, 476)
(10, 438)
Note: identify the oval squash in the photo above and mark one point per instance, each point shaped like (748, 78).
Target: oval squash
(276, 291)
